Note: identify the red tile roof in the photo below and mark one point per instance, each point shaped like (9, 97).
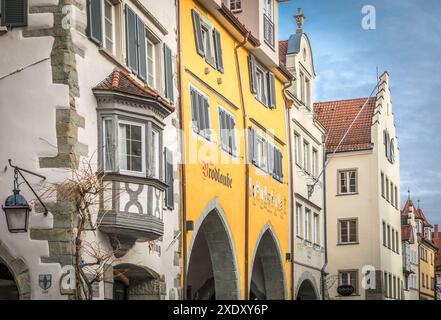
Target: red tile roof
(283, 50)
(406, 232)
(337, 116)
(122, 81)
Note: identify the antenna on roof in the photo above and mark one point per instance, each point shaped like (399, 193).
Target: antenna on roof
(419, 204)
(408, 194)
(311, 187)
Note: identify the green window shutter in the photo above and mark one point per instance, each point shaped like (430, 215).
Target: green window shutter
(140, 41)
(131, 40)
(194, 110)
(14, 13)
(252, 146)
(94, 21)
(271, 158)
(233, 136)
(168, 69)
(223, 128)
(169, 195)
(271, 90)
(206, 111)
(253, 79)
(218, 51)
(198, 32)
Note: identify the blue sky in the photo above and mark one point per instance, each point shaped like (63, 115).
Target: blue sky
(406, 43)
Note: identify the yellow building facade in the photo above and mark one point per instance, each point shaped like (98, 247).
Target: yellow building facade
(427, 269)
(234, 147)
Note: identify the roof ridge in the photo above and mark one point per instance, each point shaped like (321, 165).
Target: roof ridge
(343, 100)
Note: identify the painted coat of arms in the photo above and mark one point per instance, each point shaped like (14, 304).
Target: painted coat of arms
(45, 281)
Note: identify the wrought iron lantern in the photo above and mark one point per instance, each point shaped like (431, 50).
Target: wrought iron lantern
(16, 207)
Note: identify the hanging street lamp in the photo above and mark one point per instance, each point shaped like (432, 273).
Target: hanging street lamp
(16, 207)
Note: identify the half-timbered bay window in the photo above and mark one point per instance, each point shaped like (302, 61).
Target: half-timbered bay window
(130, 152)
(266, 156)
(262, 83)
(208, 41)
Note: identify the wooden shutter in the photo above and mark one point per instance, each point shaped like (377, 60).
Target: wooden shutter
(218, 51)
(168, 69)
(94, 21)
(223, 128)
(131, 37)
(271, 159)
(253, 79)
(232, 135)
(169, 194)
(140, 41)
(206, 110)
(14, 13)
(271, 90)
(252, 146)
(198, 32)
(194, 110)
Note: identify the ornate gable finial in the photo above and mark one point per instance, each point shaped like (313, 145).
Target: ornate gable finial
(408, 194)
(300, 20)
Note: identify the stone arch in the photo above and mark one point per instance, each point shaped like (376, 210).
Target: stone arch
(306, 288)
(137, 283)
(267, 268)
(212, 239)
(19, 270)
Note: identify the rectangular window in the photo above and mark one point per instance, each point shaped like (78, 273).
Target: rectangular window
(262, 83)
(14, 13)
(299, 220)
(302, 87)
(308, 226)
(382, 184)
(227, 125)
(349, 278)
(208, 41)
(347, 182)
(275, 162)
(390, 286)
(131, 147)
(388, 237)
(391, 193)
(387, 189)
(306, 162)
(169, 179)
(384, 234)
(154, 151)
(109, 26)
(393, 239)
(200, 108)
(297, 148)
(262, 153)
(315, 161)
(268, 24)
(261, 86)
(348, 231)
(108, 145)
(308, 93)
(236, 5)
(386, 285)
(397, 242)
(396, 197)
(151, 61)
(316, 229)
(395, 287)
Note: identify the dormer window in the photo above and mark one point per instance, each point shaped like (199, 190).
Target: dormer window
(236, 5)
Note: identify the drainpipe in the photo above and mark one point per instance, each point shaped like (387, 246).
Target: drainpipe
(325, 223)
(291, 184)
(183, 153)
(247, 168)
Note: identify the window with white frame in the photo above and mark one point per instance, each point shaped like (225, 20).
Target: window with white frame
(131, 150)
(299, 220)
(297, 147)
(316, 228)
(308, 225)
(302, 87)
(268, 8)
(315, 162)
(150, 48)
(207, 40)
(347, 182)
(348, 231)
(261, 85)
(306, 162)
(227, 125)
(387, 189)
(235, 5)
(262, 153)
(109, 26)
(349, 278)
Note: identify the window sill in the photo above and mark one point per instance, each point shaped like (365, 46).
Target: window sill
(347, 194)
(348, 244)
(122, 177)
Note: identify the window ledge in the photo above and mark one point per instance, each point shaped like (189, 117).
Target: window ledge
(3, 30)
(347, 194)
(115, 176)
(348, 244)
